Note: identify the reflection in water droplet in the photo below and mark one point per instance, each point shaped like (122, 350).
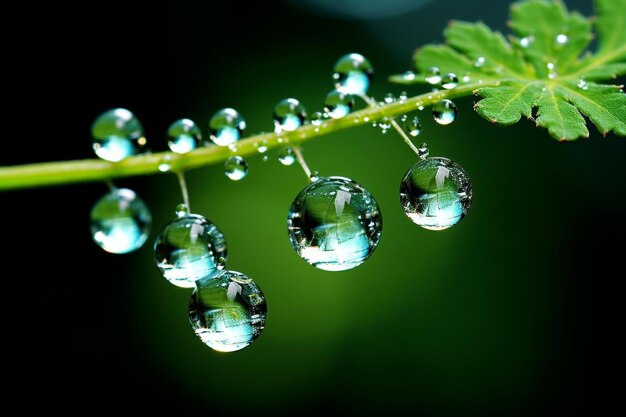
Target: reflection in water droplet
(117, 134)
(444, 112)
(433, 76)
(436, 193)
(449, 81)
(334, 224)
(289, 114)
(183, 136)
(226, 127)
(227, 311)
(236, 168)
(338, 104)
(353, 74)
(286, 156)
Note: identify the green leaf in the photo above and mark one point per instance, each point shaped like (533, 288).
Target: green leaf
(544, 69)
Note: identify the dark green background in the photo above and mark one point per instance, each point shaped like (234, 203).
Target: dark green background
(508, 313)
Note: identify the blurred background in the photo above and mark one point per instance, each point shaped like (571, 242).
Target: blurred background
(507, 313)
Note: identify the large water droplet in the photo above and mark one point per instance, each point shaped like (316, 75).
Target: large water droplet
(436, 193)
(183, 136)
(189, 248)
(433, 76)
(449, 81)
(353, 74)
(227, 311)
(117, 134)
(236, 168)
(334, 224)
(412, 125)
(289, 114)
(226, 127)
(444, 112)
(286, 156)
(120, 221)
(338, 104)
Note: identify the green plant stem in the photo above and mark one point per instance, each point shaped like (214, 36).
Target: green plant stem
(89, 170)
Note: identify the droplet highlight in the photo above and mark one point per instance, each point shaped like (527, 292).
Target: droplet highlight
(117, 134)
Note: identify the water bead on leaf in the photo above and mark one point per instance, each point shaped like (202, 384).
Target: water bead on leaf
(117, 134)
(236, 168)
(449, 81)
(289, 114)
(353, 74)
(433, 76)
(334, 224)
(226, 127)
(444, 112)
(436, 193)
(189, 248)
(183, 136)
(338, 104)
(120, 221)
(286, 156)
(227, 311)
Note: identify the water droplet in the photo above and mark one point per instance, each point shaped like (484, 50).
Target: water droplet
(480, 61)
(449, 81)
(289, 114)
(120, 221)
(262, 148)
(286, 156)
(582, 84)
(226, 127)
(117, 134)
(561, 39)
(444, 112)
(338, 104)
(183, 136)
(466, 79)
(189, 248)
(334, 224)
(433, 76)
(403, 96)
(236, 168)
(552, 73)
(422, 151)
(182, 210)
(265, 158)
(412, 125)
(389, 98)
(408, 76)
(227, 311)
(526, 41)
(165, 163)
(353, 74)
(436, 193)
(317, 119)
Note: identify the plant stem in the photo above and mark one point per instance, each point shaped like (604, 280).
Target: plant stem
(88, 170)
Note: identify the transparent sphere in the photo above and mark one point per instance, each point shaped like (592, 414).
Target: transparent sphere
(189, 248)
(338, 104)
(227, 311)
(444, 112)
(353, 74)
(436, 193)
(117, 134)
(120, 221)
(183, 136)
(286, 156)
(226, 127)
(236, 168)
(289, 114)
(334, 224)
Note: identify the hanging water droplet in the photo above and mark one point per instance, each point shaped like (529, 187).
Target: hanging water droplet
(286, 156)
(436, 193)
(227, 311)
(120, 221)
(526, 41)
(189, 248)
(165, 163)
(226, 127)
(334, 224)
(338, 104)
(389, 98)
(422, 151)
(412, 125)
(181, 210)
(236, 168)
(408, 76)
(183, 136)
(582, 84)
(444, 112)
(561, 39)
(433, 76)
(117, 134)
(289, 114)
(480, 61)
(449, 81)
(353, 74)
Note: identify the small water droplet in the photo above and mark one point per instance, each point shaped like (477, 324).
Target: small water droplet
(289, 114)
(182, 210)
(265, 158)
(183, 136)
(582, 84)
(189, 248)
(317, 119)
(165, 163)
(227, 311)
(408, 76)
(120, 221)
(552, 73)
(433, 76)
(444, 112)
(338, 104)
(262, 147)
(412, 125)
(353, 74)
(286, 156)
(466, 79)
(236, 168)
(389, 98)
(117, 134)
(403, 96)
(480, 61)
(449, 81)
(526, 41)
(561, 39)
(422, 151)
(226, 127)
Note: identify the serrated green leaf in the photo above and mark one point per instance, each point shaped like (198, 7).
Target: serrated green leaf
(545, 69)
